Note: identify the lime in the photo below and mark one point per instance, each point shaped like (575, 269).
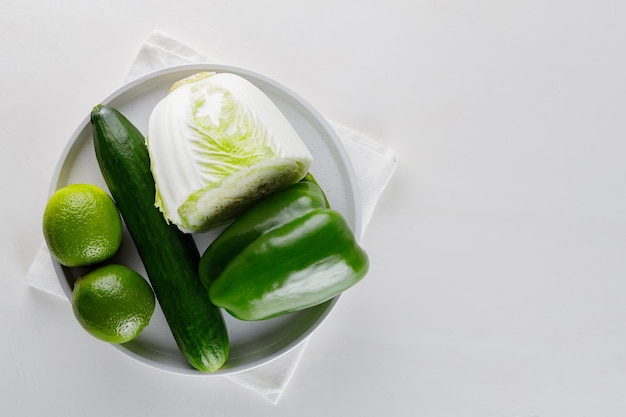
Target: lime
(113, 303)
(82, 225)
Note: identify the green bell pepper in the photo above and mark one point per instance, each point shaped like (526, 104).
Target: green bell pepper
(288, 252)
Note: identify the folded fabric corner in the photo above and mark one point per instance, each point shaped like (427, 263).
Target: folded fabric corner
(270, 380)
(42, 274)
(161, 51)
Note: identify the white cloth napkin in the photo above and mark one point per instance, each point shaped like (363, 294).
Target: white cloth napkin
(373, 163)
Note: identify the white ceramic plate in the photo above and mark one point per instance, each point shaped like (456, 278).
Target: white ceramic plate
(252, 343)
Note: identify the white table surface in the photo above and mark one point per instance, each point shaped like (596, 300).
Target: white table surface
(498, 271)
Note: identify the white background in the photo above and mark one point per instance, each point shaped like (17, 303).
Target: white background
(498, 278)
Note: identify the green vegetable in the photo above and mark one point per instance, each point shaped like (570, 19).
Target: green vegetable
(170, 257)
(287, 253)
(218, 145)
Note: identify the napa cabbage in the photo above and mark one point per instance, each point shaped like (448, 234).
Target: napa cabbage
(217, 145)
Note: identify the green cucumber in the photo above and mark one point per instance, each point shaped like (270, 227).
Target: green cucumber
(170, 257)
